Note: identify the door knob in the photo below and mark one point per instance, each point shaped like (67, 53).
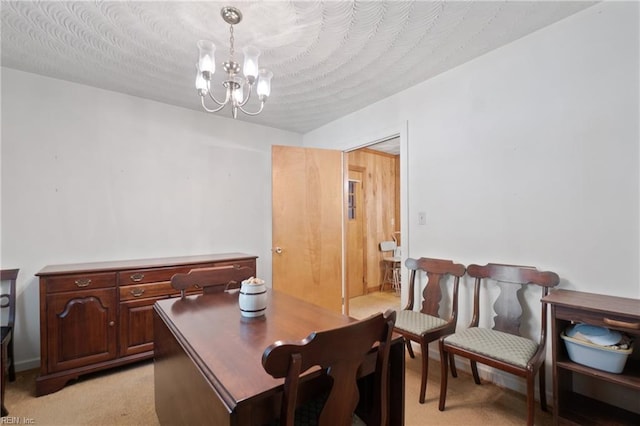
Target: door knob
(277, 250)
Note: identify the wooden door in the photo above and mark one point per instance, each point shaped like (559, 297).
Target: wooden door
(355, 234)
(307, 203)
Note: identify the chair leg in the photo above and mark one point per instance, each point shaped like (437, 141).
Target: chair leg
(452, 363)
(3, 360)
(474, 370)
(386, 279)
(12, 368)
(409, 348)
(443, 376)
(396, 278)
(388, 275)
(531, 402)
(543, 388)
(424, 347)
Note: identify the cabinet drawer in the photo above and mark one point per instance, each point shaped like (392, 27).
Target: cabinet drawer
(81, 282)
(143, 276)
(220, 275)
(224, 272)
(145, 291)
(604, 319)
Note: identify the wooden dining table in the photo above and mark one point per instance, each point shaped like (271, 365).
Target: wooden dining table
(207, 362)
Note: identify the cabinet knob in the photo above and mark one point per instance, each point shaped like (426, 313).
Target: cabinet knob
(137, 277)
(112, 323)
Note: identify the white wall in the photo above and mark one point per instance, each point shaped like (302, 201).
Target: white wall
(526, 155)
(91, 175)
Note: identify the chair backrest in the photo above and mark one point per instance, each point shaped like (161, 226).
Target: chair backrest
(437, 271)
(341, 352)
(211, 280)
(388, 246)
(9, 299)
(507, 307)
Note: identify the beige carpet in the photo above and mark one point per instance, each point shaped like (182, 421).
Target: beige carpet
(124, 396)
(363, 306)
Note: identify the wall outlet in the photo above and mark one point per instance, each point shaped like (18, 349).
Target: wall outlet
(422, 218)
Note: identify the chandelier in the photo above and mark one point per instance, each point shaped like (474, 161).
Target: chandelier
(238, 87)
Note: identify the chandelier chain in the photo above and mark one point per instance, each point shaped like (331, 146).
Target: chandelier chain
(231, 40)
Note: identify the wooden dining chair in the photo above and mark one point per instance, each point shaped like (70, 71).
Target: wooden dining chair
(503, 347)
(428, 324)
(340, 352)
(391, 262)
(8, 300)
(211, 279)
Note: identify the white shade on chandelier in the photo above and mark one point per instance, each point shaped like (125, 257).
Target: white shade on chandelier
(238, 87)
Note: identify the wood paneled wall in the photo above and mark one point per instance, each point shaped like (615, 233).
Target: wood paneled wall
(381, 186)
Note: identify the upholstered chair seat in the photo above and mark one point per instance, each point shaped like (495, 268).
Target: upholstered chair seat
(516, 350)
(417, 322)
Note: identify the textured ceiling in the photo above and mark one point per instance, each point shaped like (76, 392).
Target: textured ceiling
(389, 146)
(328, 58)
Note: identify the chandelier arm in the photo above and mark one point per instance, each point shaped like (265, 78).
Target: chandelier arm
(252, 113)
(214, 109)
(213, 98)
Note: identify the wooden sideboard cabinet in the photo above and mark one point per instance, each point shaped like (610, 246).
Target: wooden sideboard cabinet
(95, 316)
(618, 313)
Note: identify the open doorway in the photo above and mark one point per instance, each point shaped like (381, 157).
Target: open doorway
(373, 217)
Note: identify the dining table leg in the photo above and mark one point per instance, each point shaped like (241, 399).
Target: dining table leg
(396, 385)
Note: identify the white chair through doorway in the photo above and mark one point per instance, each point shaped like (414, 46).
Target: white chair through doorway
(392, 261)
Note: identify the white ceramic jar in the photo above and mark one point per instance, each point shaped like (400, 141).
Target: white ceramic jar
(252, 299)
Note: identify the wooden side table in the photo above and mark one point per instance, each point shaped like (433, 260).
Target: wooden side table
(623, 314)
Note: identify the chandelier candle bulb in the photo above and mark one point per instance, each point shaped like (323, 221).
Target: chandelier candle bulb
(264, 84)
(238, 95)
(207, 62)
(250, 69)
(201, 83)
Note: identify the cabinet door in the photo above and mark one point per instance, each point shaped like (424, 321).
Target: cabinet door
(81, 327)
(136, 326)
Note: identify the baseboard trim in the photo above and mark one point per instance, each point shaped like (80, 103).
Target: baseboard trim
(29, 364)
